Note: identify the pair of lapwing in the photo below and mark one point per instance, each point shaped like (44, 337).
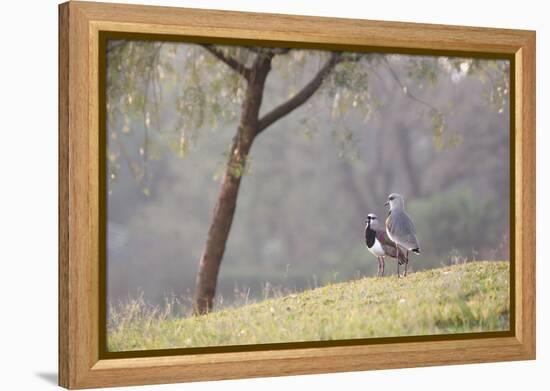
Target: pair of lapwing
(398, 237)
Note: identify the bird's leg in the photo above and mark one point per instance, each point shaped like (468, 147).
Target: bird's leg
(383, 266)
(397, 257)
(378, 273)
(406, 263)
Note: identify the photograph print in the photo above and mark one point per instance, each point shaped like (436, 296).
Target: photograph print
(273, 195)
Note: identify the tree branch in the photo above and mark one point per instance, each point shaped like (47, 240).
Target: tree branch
(354, 57)
(278, 51)
(405, 89)
(115, 45)
(274, 51)
(301, 97)
(238, 67)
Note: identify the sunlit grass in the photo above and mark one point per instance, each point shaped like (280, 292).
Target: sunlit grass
(470, 297)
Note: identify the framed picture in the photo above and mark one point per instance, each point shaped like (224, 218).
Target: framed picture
(247, 195)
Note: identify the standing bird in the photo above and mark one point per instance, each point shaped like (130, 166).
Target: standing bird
(400, 228)
(380, 244)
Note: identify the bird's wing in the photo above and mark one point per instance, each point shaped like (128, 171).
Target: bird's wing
(387, 244)
(402, 229)
(384, 239)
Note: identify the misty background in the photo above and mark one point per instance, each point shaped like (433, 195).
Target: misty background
(434, 129)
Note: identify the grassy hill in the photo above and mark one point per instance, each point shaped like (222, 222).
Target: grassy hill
(469, 297)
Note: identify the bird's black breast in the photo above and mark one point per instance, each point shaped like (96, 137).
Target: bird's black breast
(370, 236)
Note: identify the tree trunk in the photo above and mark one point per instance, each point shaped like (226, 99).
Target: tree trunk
(209, 264)
(220, 226)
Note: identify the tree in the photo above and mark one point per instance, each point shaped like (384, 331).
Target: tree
(250, 68)
(250, 126)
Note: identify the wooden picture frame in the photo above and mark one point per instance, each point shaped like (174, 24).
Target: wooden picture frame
(81, 364)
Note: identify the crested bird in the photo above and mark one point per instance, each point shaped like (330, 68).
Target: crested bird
(380, 244)
(400, 228)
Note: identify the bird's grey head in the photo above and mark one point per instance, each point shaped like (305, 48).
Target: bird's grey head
(395, 201)
(372, 220)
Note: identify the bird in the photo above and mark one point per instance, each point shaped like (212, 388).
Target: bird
(400, 228)
(380, 244)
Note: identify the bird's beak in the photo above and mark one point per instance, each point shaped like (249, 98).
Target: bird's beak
(387, 203)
